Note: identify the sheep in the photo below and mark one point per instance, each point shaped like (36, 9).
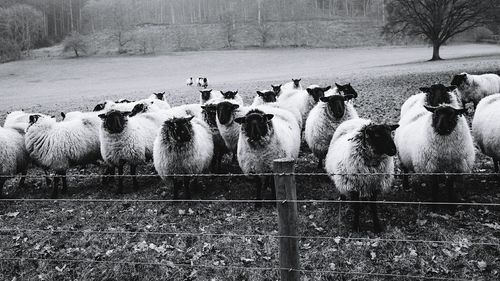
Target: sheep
(264, 97)
(434, 95)
(303, 101)
(207, 95)
(290, 88)
(360, 146)
(160, 96)
(436, 140)
(209, 112)
(14, 158)
(128, 140)
(189, 81)
(60, 145)
(129, 106)
(266, 133)
(233, 96)
(473, 88)
(229, 130)
(486, 129)
(322, 121)
(276, 89)
(199, 81)
(183, 146)
(205, 82)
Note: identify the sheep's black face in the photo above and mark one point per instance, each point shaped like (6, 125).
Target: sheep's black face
(437, 94)
(114, 121)
(229, 95)
(445, 119)
(346, 89)
(336, 104)
(459, 80)
(100, 107)
(138, 109)
(317, 92)
(179, 129)
(225, 112)
(255, 124)
(379, 137)
(159, 96)
(276, 89)
(210, 114)
(296, 82)
(205, 95)
(267, 96)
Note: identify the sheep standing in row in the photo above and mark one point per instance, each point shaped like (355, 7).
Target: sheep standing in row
(233, 96)
(209, 111)
(264, 97)
(290, 88)
(434, 95)
(267, 133)
(324, 119)
(486, 128)
(14, 158)
(437, 140)
(361, 147)
(128, 140)
(209, 95)
(229, 130)
(473, 88)
(184, 145)
(58, 146)
(303, 101)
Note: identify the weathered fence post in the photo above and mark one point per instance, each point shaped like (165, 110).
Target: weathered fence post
(286, 196)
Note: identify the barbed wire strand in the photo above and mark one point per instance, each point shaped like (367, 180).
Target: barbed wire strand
(234, 235)
(265, 201)
(249, 268)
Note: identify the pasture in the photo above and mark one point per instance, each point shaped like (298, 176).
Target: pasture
(136, 238)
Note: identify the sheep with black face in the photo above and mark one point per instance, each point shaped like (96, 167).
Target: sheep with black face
(210, 95)
(159, 96)
(233, 96)
(437, 140)
(360, 146)
(229, 130)
(264, 97)
(276, 89)
(128, 140)
(267, 133)
(473, 88)
(209, 112)
(183, 146)
(324, 119)
(303, 101)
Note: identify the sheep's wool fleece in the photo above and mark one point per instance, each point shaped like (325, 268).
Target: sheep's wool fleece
(321, 125)
(414, 105)
(347, 156)
(422, 150)
(231, 132)
(13, 155)
(60, 145)
(135, 144)
(194, 157)
(300, 100)
(480, 87)
(282, 141)
(485, 126)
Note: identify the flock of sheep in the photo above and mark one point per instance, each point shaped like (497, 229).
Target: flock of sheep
(432, 136)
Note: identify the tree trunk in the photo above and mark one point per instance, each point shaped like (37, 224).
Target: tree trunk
(76, 52)
(435, 51)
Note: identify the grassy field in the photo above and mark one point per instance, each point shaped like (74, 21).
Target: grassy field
(384, 78)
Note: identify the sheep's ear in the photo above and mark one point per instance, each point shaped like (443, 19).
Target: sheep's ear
(310, 91)
(260, 93)
(102, 116)
(268, 116)
(203, 107)
(426, 90)
(63, 115)
(324, 99)
(451, 88)
(430, 108)
(34, 118)
(393, 127)
(235, 106)
(240, 120)
(189, 118)
(349, 97)
(236, 92)
(337, 85)
(327, 88)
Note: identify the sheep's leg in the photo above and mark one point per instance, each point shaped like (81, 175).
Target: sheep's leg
(120, 178)
(258, 191)
(435, 188)
(356, 207)
(22, 181)
(187, 182)
(320, 163)
(55, 185)
(273, 187)
(133, 172)
(64, 181)
(47, 179)
(406, 179)
(376, 222)
(234, 160)
(2, 182)
(219, 162)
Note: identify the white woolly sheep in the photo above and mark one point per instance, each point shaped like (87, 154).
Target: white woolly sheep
(229, 130)
(436, 141)
(303, 101)
(159, 96)
(264, 97)
(486, 128)
(267, 133)
(60, 145)
(233, 96)
(183, 146)
(210, 95)
(289, 88)
(362, 147)
(324, 119)
(129, 141)
(473, 88)
(189, 81)
(209, 112)
(14, 158)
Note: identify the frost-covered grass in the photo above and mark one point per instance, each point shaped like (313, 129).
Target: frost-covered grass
(382, 90)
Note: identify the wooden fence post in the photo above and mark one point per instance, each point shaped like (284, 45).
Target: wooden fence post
(286, 196)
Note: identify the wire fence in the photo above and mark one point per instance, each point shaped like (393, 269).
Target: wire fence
(338, 239)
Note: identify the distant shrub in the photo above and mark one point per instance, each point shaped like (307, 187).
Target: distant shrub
(76, 43)
(9, 50)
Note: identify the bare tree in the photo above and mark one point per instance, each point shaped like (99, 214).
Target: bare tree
(264, 30)
(76, 43)
(437, 20)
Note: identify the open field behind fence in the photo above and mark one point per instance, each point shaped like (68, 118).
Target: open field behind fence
(91, 233)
